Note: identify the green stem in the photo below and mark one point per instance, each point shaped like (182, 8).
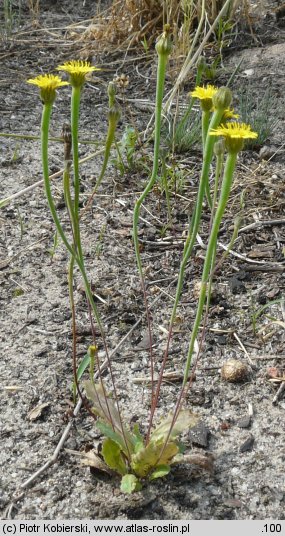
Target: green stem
(70, 208)
(74, 212)
(47, 109)
(75, 105)
(161, 71)
(162, 63)
(210, 257)
(76, 254)
(225, 191)
(165, 187)
(72, 306)
(74, 208)
(46, 114)
(189, 244)
(67, 196)
(195, 222)
(219, 167)
(205, 128)
(109, 141)
(108, 145)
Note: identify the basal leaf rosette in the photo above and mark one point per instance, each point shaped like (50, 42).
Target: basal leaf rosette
(235, 134)
(78, 71)
(48, 84)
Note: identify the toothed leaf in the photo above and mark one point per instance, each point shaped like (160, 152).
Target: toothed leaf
(185, 420)
(108, 431)
(150, 456)
(130, 483)
(112, 454)
(160, 471)
(138, 438)
(107, 410)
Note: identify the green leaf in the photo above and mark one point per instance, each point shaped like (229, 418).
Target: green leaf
(104, 407)
(112, 455)
(107, 410)
(170, 451)
(107, 430)
(185, 420)
(84, 364)
(138, 438)
(160, 471)
(181, 447)
(152, 456)
(130, 483)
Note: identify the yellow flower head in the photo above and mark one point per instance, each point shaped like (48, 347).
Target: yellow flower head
(234, 134)
(205, 95)
(77, 70)
(48, 84)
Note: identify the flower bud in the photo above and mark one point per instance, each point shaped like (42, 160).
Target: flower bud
(114, 114)
(67, 140)
(92, 350)
(163, 44)
(219, 147)
(222, 99)
(111, 94)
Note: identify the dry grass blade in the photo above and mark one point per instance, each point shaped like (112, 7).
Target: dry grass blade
(130, 22)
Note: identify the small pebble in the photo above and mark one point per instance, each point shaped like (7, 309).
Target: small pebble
(221, 339)
(247, 444)
(244, 422)
(199, 435)
(236, 285)
(232, 503)
(248, 72)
